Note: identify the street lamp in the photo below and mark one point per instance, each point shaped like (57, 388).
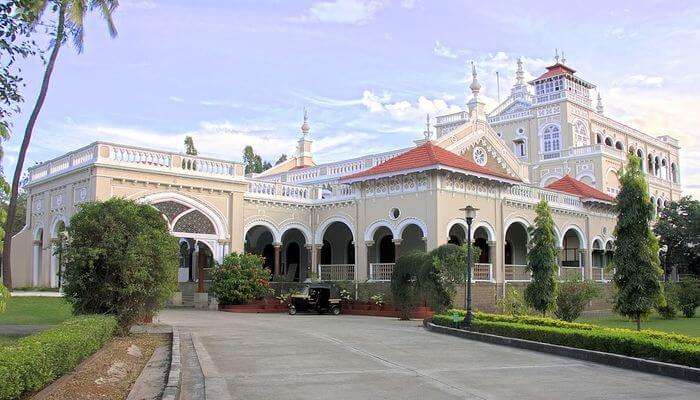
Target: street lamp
(469, 214)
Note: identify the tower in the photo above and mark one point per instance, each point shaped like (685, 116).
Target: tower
(476, 107)
(304, 157)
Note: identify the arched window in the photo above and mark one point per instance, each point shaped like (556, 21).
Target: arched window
(581, 137)
(551, 139)
(674, 173)
(598, 138)
(619, 145)
(608, 142)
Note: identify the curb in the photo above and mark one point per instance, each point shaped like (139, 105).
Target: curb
(214, 384)
(172, 387)
(616, 360)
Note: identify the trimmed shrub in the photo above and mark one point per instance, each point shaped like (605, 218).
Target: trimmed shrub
(572, 296)
(34, 361)
(416, 280)
(687, 293)
(4, 297)
(240, 279)
(512, 303)
(617, 341)
(120, 260)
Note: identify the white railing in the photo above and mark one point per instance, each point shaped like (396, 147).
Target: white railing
(136, 157)
(534, 195)
(381, 271)
(570, 272)
(598, 274)
(336, 272)
(451, 118)
(482, 272)
(510, 116)
(280, 190)
(547, 97)
(517, 273)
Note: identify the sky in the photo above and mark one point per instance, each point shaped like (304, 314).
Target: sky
(237, 73)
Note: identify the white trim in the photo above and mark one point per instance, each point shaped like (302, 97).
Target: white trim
(308, 237)
(582, 240)
(372, 229)
(411, 221)
(321, 230)
(217, 218)
(549, 176)
(586, 174)
(599, 239)
(487, 226)
(453, 222)
(276, 236)
(510, 221)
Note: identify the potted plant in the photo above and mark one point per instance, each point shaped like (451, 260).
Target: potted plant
(378, 301)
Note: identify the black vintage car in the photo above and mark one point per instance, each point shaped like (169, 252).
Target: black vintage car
(319, 297)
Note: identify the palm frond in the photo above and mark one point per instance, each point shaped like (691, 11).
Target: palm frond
(107, 7)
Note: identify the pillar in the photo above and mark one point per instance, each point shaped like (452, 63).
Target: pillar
(313, 259)
(195, 259)
(278, 248)
(587, 257)
(364, 260)
(492, 258)
(397, 248)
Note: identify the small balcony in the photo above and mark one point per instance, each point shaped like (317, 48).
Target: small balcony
(336, 272)
(482, 272)
(381, 271)
(517, 273)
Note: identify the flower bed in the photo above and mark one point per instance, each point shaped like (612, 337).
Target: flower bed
(36, 360)
(658, 346)
(384, 310)
(266, 305)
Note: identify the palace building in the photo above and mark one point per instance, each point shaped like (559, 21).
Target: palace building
(351, 219)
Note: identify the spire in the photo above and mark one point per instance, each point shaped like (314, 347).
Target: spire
(519, 74)
(476, 107)
(427, 132)
(305, 126)
(563, 58)
(599, 106)
(556, 56)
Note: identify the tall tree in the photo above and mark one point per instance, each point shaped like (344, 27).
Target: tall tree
(678, 228)
(282, 159)
(636, 257)
(253, 162)
(70, 18)
(541, 293)
(189, 146)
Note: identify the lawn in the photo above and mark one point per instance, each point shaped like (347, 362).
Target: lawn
(684, 326)
(7, 340)
(35, 311)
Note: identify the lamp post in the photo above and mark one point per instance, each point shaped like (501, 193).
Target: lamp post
(469, 214)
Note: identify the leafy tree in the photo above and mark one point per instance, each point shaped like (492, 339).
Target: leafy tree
(240, 279)
(189, 146)
(282, 159)
(120, 259)
(541, 292)
(678, 228)
(636, 257)
(572, 296)
(16, 44)
(687, 293)
(4, 298)
(254, 164)
(70, 18)
(266, 166)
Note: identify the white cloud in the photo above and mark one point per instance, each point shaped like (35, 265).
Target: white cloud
(137, 4)
(176, 99)
(355, 12)
(640, 80)
(443, 51)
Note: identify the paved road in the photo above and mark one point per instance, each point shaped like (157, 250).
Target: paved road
(276, 356)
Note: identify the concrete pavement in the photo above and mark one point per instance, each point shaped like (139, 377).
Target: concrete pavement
(276, 356)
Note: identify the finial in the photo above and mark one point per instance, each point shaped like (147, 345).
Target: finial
(599, 106)
(519, 74)
(563, 57)
(475, 86)
(556, 56)
(427, 127)
(305, 126)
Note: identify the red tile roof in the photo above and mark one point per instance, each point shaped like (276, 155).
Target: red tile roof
(554, 70)
(567, 184)
(427, 156)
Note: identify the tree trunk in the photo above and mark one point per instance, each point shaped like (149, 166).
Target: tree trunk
(12, 207)
(639, 322)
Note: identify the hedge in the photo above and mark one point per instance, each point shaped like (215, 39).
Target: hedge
(34, 361)
(617, 341)
(544, 321)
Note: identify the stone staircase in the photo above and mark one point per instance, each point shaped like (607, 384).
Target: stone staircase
(188, 290)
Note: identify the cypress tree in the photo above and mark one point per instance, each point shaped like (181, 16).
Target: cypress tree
(541, 293)
(636, 258)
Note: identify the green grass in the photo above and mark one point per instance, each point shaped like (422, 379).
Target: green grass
(7, 340)
(35, 311)
(680, 325)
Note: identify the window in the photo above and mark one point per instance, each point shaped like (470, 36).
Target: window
(581, 134)
(394, 213)
(551, 139)
(480, 156)
(519, 147)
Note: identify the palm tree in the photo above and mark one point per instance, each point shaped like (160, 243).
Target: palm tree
(70, 16)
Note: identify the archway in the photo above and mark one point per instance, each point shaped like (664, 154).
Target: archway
(38, 246)
(382, 254)
(337, 258)
(515, 252)
(412, 239)
(483, 266)
(295, 261)
(598, 258)
(457, 235)
(570, 263)
(260, 240)
(58, 241)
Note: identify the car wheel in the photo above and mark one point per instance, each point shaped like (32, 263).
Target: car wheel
(292, 310)
(336, 310)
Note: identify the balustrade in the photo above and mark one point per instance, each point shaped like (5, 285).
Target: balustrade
(336, 272)
(381, 271)
(482, 272)
(517, 273)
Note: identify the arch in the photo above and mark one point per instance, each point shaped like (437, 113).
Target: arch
(598, 138)
(586, 174)
(608, 141)
(56, 241)
(619, 145)
(579, 232)
(453, 222)
(321, 230)
(487, 227)
(37, 247)
(600, 241)
(372, 228)
(510, 221)
(411, 221)
(54, 224)
(276, 236)
(217, 218)
(550, 138)
(581, 136)
(549, 178)
(301, 227)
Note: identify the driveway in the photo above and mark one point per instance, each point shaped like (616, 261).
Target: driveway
(277, 356)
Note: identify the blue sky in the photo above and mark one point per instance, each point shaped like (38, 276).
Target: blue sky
(232, 73)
